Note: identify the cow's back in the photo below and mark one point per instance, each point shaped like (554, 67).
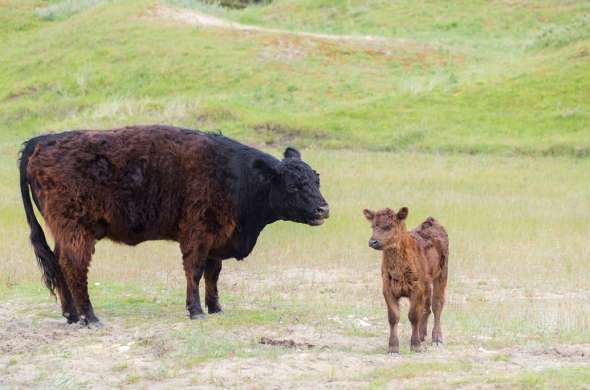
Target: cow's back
(129, 184)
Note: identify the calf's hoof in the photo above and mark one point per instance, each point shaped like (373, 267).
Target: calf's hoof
(393, 354)
(198, 316)
(416, 348)
(437, 343)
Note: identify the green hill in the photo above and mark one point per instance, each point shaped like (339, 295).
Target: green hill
(462, 76)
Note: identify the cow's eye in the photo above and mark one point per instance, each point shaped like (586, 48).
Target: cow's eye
(291, 188)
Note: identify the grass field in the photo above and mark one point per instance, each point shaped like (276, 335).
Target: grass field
(476, 113)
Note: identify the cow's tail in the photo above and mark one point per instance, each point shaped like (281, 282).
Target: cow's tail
(45, 257)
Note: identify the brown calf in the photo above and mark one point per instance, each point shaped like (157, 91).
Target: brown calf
(415, 266)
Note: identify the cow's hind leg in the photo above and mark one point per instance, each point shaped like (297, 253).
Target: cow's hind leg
(65, 296)
(212, 271)
(438, 301)
(194, 259)
(74, 260)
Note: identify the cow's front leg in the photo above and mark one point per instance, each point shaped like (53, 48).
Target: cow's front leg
(194, 260)
(212, 270)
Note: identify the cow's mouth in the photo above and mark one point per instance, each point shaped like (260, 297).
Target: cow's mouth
(316, 222)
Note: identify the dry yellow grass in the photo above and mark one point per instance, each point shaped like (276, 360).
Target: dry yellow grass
(517, 299)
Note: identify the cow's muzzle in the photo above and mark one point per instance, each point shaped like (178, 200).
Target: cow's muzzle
(375, 244)
(322, 213)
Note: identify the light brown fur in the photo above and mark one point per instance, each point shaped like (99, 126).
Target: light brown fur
(414, 265)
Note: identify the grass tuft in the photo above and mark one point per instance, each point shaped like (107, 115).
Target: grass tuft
(65, 9)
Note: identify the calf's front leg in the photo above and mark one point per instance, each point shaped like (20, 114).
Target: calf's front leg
(393, 318)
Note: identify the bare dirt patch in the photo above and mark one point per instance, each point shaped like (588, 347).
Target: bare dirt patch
(284, 343)
(198, 18)
(150, 353)
(287, 46)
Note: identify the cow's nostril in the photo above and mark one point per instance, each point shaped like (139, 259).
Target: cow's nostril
(372, 243)
(324, 210)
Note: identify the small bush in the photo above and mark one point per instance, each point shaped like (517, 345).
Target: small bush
(238, 4)
(65, 9)
(559, 36)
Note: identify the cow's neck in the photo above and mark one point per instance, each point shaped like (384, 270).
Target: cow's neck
(254, 214)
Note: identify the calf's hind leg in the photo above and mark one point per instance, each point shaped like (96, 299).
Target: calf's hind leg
(438, 301)
(74, 261)
(415, 315)
(212, 271)
(426, 315)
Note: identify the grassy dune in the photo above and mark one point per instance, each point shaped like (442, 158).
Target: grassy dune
(476, 113)
(485, 83)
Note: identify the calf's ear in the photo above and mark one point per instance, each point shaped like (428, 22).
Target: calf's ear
(369, 214)
(402, 213)
(264, 168)
(291, 152)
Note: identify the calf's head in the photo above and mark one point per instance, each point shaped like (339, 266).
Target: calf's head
(388, 227)
(295, 190)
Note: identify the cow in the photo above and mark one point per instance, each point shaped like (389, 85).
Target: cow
(209, 193)
(414, 265)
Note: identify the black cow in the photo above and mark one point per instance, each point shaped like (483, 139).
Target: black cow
(211, 194)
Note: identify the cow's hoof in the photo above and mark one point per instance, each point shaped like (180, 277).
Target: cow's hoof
(95, 325)
(91, 325)
(437, 343)
(198, 316)
(72, 319)
(394, 354)
(217, 310)
(91, 322)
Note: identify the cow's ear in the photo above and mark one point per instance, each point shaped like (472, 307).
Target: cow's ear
(402, 213)
(291, 152)
(264, 168)
(369, 214)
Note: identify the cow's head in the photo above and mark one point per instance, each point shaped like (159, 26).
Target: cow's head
(388, 227)
(295, 189)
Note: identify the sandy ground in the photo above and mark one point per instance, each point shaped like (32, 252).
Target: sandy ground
(199, 18)
(37, 351)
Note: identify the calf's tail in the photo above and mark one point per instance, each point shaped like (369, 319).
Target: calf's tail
(45, 257)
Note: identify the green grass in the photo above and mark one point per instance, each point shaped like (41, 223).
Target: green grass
(379, 378)
(476, 113)
(489, 85)
(559, 378)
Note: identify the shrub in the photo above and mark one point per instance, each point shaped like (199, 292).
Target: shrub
(65, 9)
(239, 4)
(559, 36)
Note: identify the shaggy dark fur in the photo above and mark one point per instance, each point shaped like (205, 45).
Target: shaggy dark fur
(414, 265)
(211, 194)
